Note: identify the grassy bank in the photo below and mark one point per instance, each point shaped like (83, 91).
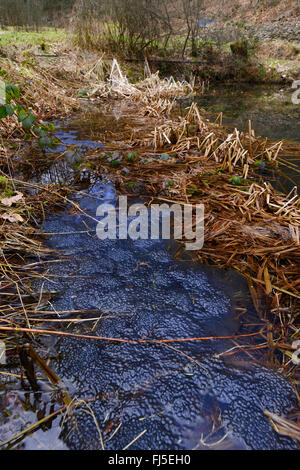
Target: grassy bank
(26, 40)
(267, 63)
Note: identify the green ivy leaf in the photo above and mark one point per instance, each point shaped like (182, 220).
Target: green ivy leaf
(27, 122)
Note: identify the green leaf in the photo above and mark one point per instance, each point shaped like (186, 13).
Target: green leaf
(192, 190)
(44, 142)
(48, 127)
(130, 157)
(12, 92)
(236, 180)
(22, 115)
(76, 165)
(3, 112)
(3, 180)
(259, 163)
(27, 122)
(54, 142)
(9, 109)
(83, 93)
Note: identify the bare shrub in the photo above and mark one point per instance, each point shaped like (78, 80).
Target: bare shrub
(34, 13)
(121, 25)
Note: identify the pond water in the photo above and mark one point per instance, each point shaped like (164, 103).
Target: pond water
(181, 395)
(272, 113)
(270, 109)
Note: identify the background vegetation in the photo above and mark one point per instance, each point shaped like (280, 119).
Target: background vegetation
(218, 34)
(34, 13)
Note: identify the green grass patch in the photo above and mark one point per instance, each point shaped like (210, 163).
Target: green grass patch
(25, 39)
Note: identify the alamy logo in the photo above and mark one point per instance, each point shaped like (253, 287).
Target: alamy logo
(155, 222)
(2, 93)
(296, 94)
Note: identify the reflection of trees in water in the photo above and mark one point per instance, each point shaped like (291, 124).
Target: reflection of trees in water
(271, 112)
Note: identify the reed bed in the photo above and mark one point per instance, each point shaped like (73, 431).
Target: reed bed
(249, 226)
(154, 95)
